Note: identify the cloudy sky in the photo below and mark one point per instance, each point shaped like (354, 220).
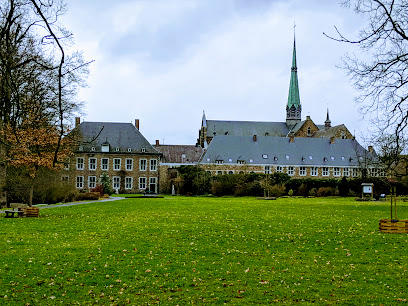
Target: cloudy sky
(165, 61)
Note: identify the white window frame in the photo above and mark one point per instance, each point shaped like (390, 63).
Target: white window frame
(79, 182)
(336, 171)
(142, 185)
(279, 169)
(302, 171)
(291, 171)
(314, 171)
(128, 182)
(114, 164)
(65, 178)
(346, 172)
(107, 164)
(325, 171)
(89, 181)
(354, 172)
(153, 165)
(94, 166)
(219, 161)
(267, 169)
(131, 164)
(78, 163)
(141, 166)
(116, 182)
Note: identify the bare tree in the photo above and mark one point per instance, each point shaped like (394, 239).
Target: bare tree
(39, 79)
(381, 72)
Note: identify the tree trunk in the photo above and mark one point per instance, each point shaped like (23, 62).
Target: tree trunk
(30, 200)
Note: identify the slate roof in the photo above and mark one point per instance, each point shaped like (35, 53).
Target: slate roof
(332, 131)
(174, 153)
(117, 135)
(342, 153)
(246, 128)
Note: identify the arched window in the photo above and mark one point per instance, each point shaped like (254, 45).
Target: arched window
(309, 131)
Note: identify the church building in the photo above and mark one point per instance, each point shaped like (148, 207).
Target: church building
(294, 125)
(300, 148)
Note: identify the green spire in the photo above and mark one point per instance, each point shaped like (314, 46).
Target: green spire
(294, 98)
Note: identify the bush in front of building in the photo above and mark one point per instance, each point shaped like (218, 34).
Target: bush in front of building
(326, 191)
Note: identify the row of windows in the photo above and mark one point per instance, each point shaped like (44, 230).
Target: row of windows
(314, 171)
(117, 164)
(80, 182)
(287, 157)
(325, 171)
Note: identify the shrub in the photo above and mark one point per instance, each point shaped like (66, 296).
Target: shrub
(325, 191)
(106, 184)
(312, 192)
(343, 187)
(277, 190)
(99, 188)
(290, 192)
(87, 196)
(303, 190)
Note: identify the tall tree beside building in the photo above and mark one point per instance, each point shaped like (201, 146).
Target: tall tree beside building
(38, 80)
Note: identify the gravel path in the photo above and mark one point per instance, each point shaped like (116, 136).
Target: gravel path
(75, 203)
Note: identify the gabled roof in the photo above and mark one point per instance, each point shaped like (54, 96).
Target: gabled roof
(332, 131)
(246, 128)
(180, 153)
(117, 135)
(280, 151)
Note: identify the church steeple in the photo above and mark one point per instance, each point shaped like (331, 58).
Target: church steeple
(293, 108)
(327, 123)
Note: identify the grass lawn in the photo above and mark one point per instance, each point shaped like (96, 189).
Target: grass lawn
(180, 250)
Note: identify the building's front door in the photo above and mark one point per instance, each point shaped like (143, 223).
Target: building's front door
(153, 185)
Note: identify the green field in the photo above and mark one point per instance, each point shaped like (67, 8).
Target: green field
(180, 250)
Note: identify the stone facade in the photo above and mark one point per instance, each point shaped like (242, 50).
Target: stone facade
(133, 174)
(323, 172)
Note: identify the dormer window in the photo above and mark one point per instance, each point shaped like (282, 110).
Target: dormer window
(226, 133)
(264, 156)
(129, 149)
(303, 159)
(342, 158)
(275, 158)
(266, 134)
(287, 157)
(230, 160)
(105, 148)
(93, 149)
(332, 157)
(251, 161)
(310, 157)
(143, 150)
(325, 159)
(208, 159)
(117, 149)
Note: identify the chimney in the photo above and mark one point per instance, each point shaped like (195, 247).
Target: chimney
(254, 138)
(332, 139)
(137, 123)
(77, 121)
(370, 149)
(157, 142)
(308, 118)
